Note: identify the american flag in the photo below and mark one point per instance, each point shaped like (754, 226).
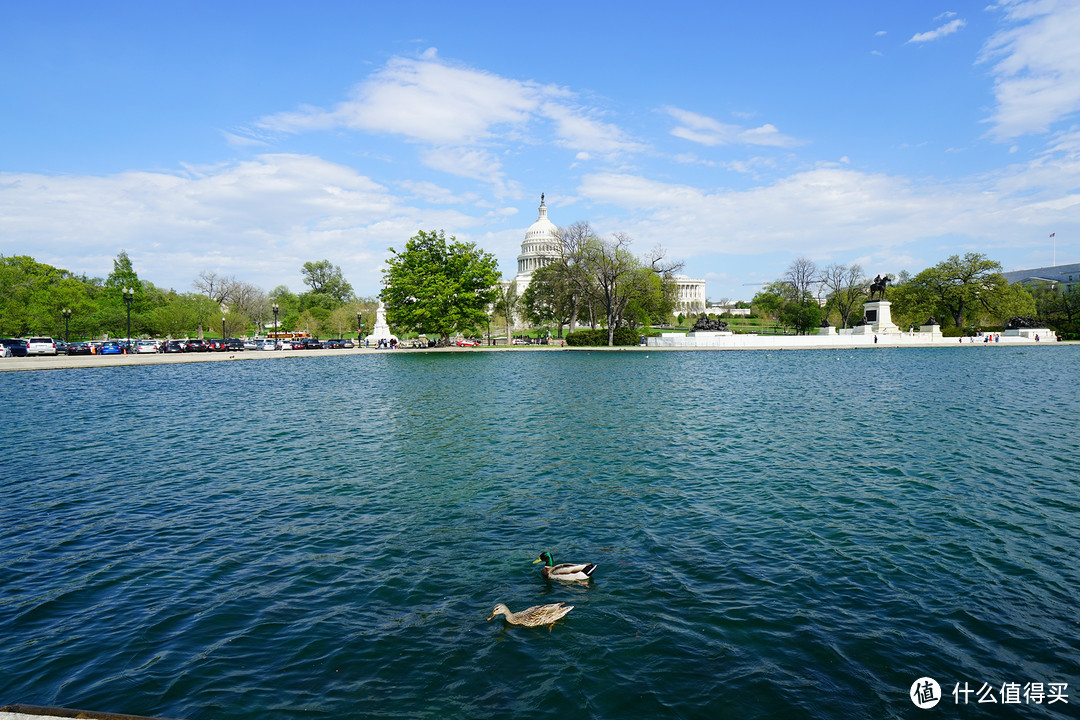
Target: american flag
(1053, 234)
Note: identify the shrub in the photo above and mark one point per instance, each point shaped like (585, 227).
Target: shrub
(624, 336)
(587, 338)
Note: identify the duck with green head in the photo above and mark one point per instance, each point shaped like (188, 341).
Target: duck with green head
(567, 572)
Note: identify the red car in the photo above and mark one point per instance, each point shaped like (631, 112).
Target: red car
(468, 343)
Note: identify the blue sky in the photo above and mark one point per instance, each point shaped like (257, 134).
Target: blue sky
(246, 138)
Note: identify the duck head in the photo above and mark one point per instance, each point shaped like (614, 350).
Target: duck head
(545, 557)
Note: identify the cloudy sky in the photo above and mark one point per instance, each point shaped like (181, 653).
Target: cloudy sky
(246, 138)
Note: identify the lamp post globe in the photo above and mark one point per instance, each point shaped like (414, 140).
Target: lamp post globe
(129, 295)
(277, 340)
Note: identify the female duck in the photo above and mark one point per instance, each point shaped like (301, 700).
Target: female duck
(534, 616)
(567, 572)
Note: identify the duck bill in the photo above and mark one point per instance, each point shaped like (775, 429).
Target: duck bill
(537, 560)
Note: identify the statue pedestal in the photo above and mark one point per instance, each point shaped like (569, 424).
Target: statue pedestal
(382, 330)
(878, 317)
(934, 331)
(826, 330)
(1035, 334)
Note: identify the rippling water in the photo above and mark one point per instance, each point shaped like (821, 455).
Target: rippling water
(780, 535)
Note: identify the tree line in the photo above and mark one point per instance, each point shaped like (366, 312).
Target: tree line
(39, 299)
(962, 294)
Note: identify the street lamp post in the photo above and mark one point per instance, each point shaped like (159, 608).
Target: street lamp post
(129, 295)
(277, 340)
(66, 312)
(222, 328)
(359, 329)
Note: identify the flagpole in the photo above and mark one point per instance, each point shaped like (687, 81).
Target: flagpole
(1053, 236)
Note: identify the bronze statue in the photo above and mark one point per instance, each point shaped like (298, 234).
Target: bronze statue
(706, 324)
(881, 282)
(1022, 322)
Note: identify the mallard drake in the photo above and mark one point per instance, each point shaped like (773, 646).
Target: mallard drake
(534, 616)
(567, 572)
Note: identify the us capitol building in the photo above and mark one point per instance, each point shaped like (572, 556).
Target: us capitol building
(542, 246)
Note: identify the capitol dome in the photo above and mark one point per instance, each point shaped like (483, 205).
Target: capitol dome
(540, 247)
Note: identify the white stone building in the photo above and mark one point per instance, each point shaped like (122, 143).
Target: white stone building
(689, 296)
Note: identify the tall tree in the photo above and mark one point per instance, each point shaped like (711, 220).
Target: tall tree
(123, 275)
(846, 286)
(960, 284)
(214, 286)
(325, 278)
(437, 287)
(619, 278)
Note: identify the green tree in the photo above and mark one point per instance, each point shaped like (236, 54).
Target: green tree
(439, 288)
(549, 300)
(972, 283)
(769, 301)
(911, 304)
(619, 278)
(506, 304)
(326, 279)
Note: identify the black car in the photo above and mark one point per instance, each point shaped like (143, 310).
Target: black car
(333, 344)
(173, 346)
(313, 344)
(18, 348)
(216, 345)
(196, 346)
(79, 348)
(234, 344)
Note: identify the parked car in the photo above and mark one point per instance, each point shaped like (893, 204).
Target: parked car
(333, 344)
(15, 346)
(251, 344)
(195, 346)
(110, 348)
(62, 347)
(468, 343)
(216, 345)
(234, 344)
(146, 346)
(79, 348)
(347, 343)
(41, 346)
(312, 344)
(267, 345)
(172, 346)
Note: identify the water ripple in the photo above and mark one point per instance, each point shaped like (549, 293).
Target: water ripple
(779, 534)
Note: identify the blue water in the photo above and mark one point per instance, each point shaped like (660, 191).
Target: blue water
(779, 535)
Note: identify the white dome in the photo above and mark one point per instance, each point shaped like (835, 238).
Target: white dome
(540, 247)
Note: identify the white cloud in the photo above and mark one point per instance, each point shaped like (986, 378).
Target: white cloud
(474, 163)
(463, 116)
(260, 220)
(708, 131)
(1037, 67)
(947, 29)
(833, 210)
(578, 131)
(424, 100)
